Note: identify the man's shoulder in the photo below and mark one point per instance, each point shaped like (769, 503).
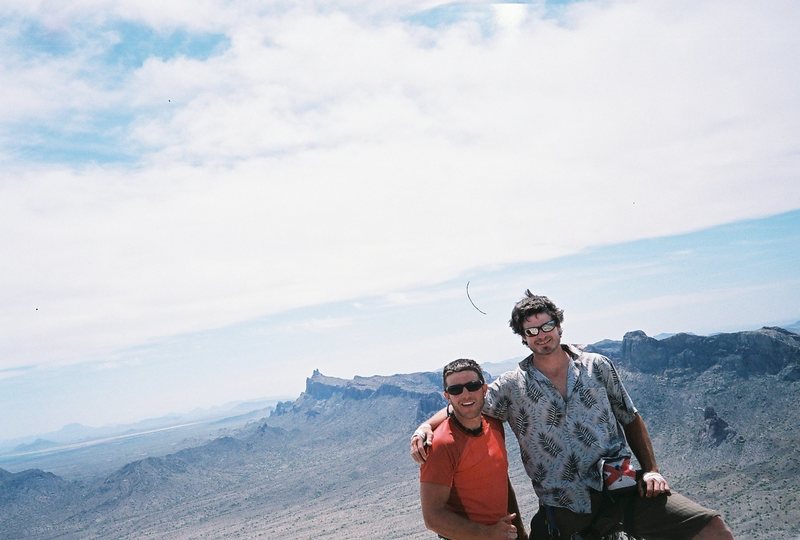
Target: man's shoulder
(448, 439)
(494, 423)
(585, 358)
(445, 433)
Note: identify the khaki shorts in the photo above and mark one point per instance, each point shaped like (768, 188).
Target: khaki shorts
(663, 517)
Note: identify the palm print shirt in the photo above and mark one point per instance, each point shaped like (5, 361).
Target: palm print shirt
(562, 441)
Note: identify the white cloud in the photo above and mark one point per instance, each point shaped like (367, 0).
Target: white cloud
(328, 154)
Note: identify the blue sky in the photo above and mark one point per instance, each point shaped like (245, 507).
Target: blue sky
(203, 203)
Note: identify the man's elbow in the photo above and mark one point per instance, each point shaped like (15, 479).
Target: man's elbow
(435, 519)
(429, 518)
(636, 422)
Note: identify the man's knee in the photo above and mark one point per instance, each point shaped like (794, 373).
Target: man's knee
(716, 529)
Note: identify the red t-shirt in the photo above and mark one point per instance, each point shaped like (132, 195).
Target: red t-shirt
(475, 468)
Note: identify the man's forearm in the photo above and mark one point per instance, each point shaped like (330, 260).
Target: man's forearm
(438, 417)
(422, 438)
(653, 483)
(452, 525)
(440, 518)
(641, 445)
(513, 508)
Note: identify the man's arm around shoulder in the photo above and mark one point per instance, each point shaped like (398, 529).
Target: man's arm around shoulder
(422, 439)
(442, 520)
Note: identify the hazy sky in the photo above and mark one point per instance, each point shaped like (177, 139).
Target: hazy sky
(203, 201)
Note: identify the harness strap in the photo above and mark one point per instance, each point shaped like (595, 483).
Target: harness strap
(550, 519)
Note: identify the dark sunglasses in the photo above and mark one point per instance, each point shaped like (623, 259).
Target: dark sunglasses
(534, 330)
(472, 386)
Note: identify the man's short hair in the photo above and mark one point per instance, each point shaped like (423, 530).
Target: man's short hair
(532, 304)
(457, 366)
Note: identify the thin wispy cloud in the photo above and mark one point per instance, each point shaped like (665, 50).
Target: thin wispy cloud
(721, 307)
(311, 326)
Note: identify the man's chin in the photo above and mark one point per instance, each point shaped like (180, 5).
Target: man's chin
(469, 414)
(549, 348)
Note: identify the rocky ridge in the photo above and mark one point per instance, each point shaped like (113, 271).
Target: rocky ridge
(770, 350)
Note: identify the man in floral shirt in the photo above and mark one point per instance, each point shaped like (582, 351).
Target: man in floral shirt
(571, 415)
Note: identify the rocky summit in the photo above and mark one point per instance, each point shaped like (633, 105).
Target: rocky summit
(334, 462)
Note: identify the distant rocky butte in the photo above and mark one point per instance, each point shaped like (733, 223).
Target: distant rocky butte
(424, 387)
(320, 386)
(334, 462)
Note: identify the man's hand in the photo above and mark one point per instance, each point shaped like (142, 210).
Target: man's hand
(653, 485)
(503, 529)
(420, 441)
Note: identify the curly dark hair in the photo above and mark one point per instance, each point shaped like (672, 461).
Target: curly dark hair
(462, 364)
(532, 304)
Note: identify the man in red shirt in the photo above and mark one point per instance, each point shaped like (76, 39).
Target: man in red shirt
(464, 488)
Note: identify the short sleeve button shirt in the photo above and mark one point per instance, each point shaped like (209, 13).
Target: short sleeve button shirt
(563, 440)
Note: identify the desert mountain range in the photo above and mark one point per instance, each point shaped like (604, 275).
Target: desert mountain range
(334, 463)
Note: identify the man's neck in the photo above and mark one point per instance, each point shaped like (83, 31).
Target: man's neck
(473, 425)
(554, 367)
(553, 361)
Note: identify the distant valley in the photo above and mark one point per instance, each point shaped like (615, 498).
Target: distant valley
(78, 451)
(334, 462)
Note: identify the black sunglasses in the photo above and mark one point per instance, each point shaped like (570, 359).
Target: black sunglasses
(455, 389)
